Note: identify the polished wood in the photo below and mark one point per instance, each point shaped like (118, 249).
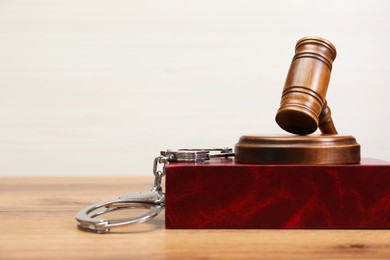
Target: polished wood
(303, 98)
(326, 124)
(303, 109)
(286, 149)
(37, 217)
(222, 193)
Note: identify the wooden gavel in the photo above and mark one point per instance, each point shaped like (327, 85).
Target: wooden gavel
(303, 109)
(303, 106)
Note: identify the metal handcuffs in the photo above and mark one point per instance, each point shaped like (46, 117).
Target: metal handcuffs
(153, 200)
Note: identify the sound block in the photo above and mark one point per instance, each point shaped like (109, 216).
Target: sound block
(224, 194)
(296, 149)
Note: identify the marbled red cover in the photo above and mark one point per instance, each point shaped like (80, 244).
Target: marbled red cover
(223, 194)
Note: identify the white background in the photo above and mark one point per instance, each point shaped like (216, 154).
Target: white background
(100, 87)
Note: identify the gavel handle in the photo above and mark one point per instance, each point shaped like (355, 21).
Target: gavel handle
(325, 121)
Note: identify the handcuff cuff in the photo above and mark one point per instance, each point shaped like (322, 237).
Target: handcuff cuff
(153, 200)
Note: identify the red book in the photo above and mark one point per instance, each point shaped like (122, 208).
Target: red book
(221, 193)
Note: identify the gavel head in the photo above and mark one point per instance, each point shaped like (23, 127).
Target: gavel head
(303, 99)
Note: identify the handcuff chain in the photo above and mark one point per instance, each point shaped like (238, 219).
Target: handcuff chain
(159, 172)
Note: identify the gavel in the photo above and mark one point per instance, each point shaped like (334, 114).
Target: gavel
(303, 109)
(303, 106)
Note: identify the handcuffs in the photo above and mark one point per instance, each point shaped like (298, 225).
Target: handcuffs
(153, 200)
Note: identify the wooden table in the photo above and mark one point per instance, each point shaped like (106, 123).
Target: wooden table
(37, 222)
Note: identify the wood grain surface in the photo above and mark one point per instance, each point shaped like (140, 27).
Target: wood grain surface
(37, 222)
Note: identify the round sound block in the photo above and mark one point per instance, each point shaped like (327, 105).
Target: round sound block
(295, 149)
